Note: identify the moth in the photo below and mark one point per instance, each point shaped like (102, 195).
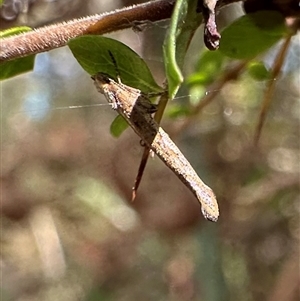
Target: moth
(136, 108)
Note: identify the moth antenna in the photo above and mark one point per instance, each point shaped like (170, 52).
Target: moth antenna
(116, 66)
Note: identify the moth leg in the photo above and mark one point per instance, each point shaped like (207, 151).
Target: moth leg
(147, 105)
(115, 103)
(152, 108)
(154, 94)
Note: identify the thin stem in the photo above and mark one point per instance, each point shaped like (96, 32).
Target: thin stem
(158, 116)
(279, 60)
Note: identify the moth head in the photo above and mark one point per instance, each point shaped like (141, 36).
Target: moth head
(101, 80)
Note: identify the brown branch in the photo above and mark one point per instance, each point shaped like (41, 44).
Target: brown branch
(57, 35)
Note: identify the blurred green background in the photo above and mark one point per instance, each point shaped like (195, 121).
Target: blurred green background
(68, 228)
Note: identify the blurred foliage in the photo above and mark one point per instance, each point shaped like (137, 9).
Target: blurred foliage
(252, 34)
(69, 231)
(258, 71)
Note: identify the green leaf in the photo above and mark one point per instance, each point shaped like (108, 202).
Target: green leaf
(252, 34)
(208, 68)
(118, 126)
(93, 54)
(176, 111)
(1, 1)
(13, 31)
(258, 71)
(184, 22)
(15, 67)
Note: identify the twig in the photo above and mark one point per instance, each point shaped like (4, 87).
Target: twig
(271, 86)
(58, 35)
(158, 116)
(211, 35)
